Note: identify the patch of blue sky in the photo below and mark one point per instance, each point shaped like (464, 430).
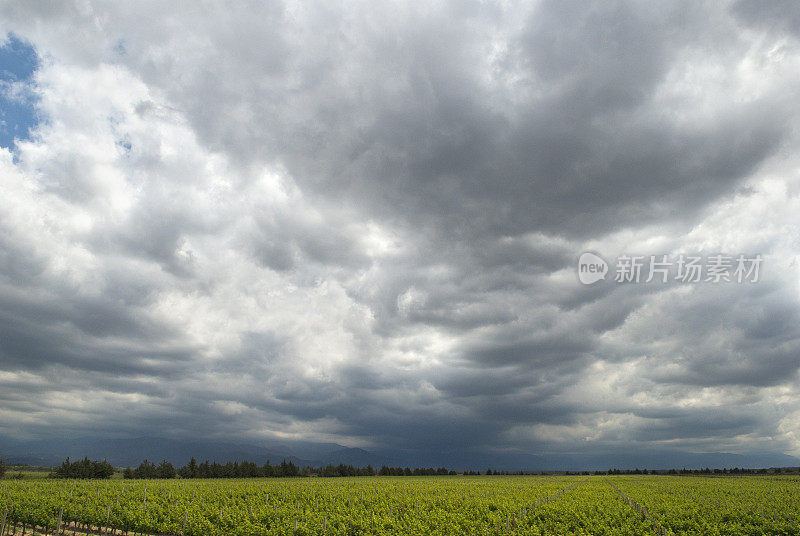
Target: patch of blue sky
(18, 115)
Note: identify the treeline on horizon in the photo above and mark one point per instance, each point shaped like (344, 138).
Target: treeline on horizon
(88, 469)
(706, 471)
(247, 469)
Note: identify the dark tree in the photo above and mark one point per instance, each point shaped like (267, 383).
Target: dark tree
(83, 469)
(146, 469)
(165, 470)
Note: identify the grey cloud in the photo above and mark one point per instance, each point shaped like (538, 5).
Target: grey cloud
(412, 284)
(779, 14)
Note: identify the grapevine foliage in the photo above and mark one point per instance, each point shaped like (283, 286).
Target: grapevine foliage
(444, 506)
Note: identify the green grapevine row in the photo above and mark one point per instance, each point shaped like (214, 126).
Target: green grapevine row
(445, 506)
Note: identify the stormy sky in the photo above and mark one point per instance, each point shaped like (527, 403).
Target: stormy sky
(360, 222)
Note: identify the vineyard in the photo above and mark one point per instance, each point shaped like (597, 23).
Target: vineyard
(455, 505)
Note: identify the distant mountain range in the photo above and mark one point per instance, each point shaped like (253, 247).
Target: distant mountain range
(132, 451)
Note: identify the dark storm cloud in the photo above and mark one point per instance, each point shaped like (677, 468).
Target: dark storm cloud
(708, 424)
(362, 223)
(584, 149)
(27, 346)
(724, 336)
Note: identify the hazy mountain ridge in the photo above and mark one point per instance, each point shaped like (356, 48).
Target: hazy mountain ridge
(131, 452)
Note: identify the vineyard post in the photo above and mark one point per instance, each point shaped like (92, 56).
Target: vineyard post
(3, 524)
(108, 514)
(58, 525)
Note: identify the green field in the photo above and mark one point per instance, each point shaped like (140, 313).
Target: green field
(452, 506)
(25, 474)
